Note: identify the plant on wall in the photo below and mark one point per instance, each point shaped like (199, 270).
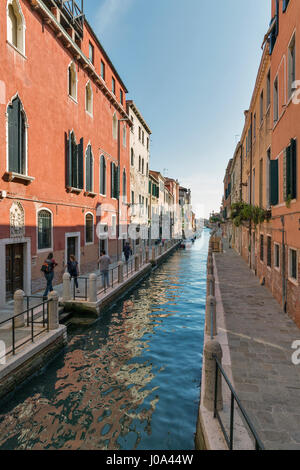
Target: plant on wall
(242, 212)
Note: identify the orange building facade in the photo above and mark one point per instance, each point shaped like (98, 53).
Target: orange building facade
(64, 144)
(270, 176)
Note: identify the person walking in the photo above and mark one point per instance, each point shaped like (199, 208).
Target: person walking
(73, 270)
(48, 270)
(104, 261)
(127, 251)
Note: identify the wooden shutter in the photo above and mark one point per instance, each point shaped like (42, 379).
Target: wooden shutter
(80, 164)
(112, 179)
(284, 176)
(74, 162)
(69, 158)
(293, 168)
(288, 173)
(274, 182)
(14, 137)
(117, 182)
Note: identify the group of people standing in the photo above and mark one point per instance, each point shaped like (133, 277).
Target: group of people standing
(104, 262)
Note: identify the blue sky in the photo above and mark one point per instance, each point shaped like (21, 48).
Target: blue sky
(190, 66)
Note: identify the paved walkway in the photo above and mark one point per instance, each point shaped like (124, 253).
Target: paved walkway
(260, 336)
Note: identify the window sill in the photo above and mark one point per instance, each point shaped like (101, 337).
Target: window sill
(293, 281)
(89, 114)
(73, 190)
(44, 250)
(90, 194)
(73, 99)
(16, 49)
(23, 179)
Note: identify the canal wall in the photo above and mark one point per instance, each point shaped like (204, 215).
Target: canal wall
(30, 360)
(209, 435)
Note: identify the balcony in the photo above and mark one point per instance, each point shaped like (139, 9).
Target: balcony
(70, 14)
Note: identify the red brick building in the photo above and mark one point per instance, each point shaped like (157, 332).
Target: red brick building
(64, 143)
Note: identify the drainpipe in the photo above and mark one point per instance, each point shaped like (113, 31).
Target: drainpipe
(251, 183)
(284, 280)
(120, 176)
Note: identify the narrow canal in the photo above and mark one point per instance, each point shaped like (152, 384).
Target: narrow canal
(129, 381)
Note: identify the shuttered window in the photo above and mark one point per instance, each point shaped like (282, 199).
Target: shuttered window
(274, 193)
(44, 230)
(261, 247)
(115, 181)
(103, 175)
(89, 169)
(124, 183)
(290, 171)
(74, 163)
(16, 138)
(269, 251)
(89, 228)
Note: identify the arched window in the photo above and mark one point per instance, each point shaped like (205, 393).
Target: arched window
(72, 81)
(17, 137)
(89, 98)
(15, 25)
(143, 165)
(132, 157)
(89, 228)
(124, 184)
(44, 230)
(89, 169)
(140, 161)
(103, 175)
(124, 136)
(115, 126)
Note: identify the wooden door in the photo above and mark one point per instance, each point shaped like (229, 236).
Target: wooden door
(14, 269)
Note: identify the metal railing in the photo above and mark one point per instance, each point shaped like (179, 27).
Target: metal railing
(79, 295)
(111, 279)
(234, 399)
(128, 267)
(32, 316)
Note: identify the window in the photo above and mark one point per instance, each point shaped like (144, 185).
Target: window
(44, 230)
(89, 98)
(74, 163)
(102, 175)
(261, 107)
(269, 252)
(276, 111)
(254, 126)
(115, 178)
(89, 228)
(291, 66)
(269, 89)
(261, 181)
(140, 133)
(147, 170)
(293, 264)
(143, 164)
(89, 169)
(275, 29)
(16, 25)
(290, 171)
(102, 69)
(132, 158)
(274, 183)
(285, 5)
(140, 163)
(143, 137)
(121, 97)
(268, 165)
(124, 184)
(147, 143)
(132, 197)
(17, 137)
(115, 126)
(91, 52)
(113, 86)
(276, 256)
(261, 247)
(72, 81)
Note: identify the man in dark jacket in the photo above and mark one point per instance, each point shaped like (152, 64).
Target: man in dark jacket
(127, 251)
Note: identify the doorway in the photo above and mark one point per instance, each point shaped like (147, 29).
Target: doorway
(14, 269)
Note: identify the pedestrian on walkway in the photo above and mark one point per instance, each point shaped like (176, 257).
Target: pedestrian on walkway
(73, 270)
(127, 251)
(48, 270)
(104, 261)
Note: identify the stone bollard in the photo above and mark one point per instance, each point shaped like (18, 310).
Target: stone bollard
(66, 287)
(212, 348)
(211, 284)
(19, 308)
(211, 317)
(92, 292)
(147, 255)
(136, 262)
(120, 272)
(53, 311)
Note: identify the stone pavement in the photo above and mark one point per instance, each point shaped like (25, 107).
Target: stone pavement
(260, 336)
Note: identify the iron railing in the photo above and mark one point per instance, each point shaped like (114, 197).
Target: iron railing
(79, 295)
(234, 399)
(34, 315)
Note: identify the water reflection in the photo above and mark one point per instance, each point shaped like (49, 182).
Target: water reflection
(130, 381)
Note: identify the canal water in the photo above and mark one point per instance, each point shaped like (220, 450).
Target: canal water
(129, 381)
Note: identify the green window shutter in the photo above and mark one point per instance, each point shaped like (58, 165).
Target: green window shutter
(112, 179)
(284, 176)
(293, 168)
(74, 160)
(288, 173)
(80, 164)
(117, 182)
(13, 136)
(274, 182)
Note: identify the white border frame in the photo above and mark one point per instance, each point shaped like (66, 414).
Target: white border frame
(293, 280)
(26, 134)
(44, 250)
(10, 2)
(93, 241)
(73, 235)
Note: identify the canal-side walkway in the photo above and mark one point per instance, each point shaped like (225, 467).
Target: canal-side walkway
(260, 337)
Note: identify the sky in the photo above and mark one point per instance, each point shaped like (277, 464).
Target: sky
(190, 66)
